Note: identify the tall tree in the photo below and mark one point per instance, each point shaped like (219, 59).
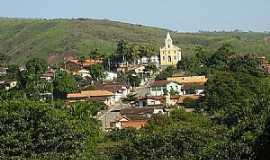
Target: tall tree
(36, 66)
(33, 130)
(64, 83)
(96, 72)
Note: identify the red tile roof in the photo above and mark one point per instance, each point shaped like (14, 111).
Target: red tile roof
(136, 111)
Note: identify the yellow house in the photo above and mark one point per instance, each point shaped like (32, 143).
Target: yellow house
(170, 55)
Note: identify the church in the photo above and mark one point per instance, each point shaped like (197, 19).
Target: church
(170, 55)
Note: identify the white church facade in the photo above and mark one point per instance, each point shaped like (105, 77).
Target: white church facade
(170, 54)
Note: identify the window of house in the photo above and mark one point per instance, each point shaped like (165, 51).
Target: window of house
(175, 57)
(169, 59)
(163, 57)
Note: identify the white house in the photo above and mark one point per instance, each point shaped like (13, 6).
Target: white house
(3, 71)
(159, 88)
(154, 59)
(9, 84)
(110, 76)
(146, 60)
(119, 90)
(194, 88)
(84, 73)
(143, 60)
(139, 70)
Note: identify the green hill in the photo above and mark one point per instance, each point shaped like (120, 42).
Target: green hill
(22, 39)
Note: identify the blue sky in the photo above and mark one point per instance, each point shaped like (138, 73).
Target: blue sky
(180, 15)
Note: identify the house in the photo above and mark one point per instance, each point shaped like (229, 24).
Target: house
(155, 60)
(48, 76)
(89, 62)
(110, 76)
(264, 64)
(22, 68)
(160, 101)
(145, 112)
(119, 90)
(123, 67)
(191, 84)
(143, 60)
(135, 117)
(3, 71)
(84, 73)
(161, 87)
(187, 79)
(92, 95)
(146, 60)
(139, 69)
(193, 97)
(7, 85)
(170, 54)
(74, 65)
(194, 88)
(125, 122)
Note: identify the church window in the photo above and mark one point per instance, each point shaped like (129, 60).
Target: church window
(163, 57)
(175, 57)
(169, 59)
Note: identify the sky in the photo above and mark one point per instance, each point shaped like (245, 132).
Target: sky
(177, 15)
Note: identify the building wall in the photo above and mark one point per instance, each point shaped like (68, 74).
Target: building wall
(174, 86)
(189, 79)
(134, 124)
(151, 102)
(156, 91)
(170, 56)
(159, 91)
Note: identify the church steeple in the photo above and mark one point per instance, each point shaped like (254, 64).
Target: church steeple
(168, 41)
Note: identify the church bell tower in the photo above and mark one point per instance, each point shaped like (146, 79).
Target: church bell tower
(168, 41)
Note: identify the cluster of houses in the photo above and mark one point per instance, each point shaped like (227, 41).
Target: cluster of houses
(174, 91)
(162, 96)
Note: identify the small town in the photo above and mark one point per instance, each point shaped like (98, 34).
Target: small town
(129, 103)
(144, 80)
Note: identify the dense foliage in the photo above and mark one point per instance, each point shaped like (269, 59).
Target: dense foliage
(64, 83)
(34, 130)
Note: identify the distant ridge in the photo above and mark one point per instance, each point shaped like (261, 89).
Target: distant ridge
(22, 39)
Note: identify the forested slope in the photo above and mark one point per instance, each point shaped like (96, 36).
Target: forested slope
(22, 39)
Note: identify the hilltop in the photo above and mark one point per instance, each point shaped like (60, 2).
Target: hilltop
(22, 39)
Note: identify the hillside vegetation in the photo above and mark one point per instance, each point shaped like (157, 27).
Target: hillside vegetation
(22, 39)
